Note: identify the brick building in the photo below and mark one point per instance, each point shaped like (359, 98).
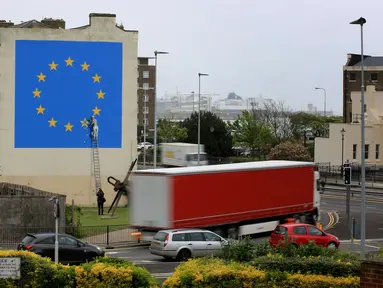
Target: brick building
(146, 104)
(373, 74)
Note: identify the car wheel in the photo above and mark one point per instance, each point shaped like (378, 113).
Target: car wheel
(332, 245)
(184, 255)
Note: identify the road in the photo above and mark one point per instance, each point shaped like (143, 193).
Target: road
(333, 217)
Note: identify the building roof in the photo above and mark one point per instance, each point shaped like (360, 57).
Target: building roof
(259, 165)
(355, 60)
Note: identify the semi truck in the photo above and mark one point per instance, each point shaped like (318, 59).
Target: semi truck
(231, 200)
(182, 155)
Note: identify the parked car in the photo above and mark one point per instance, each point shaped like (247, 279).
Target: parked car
(301, 234)
(183, 244)
(71, 249)
(145, 145)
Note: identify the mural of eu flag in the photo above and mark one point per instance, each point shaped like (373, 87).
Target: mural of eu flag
(59, 85)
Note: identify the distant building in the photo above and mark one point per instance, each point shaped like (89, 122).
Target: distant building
(311, 109)
(329, 150)
(146, 104)
(373, 74)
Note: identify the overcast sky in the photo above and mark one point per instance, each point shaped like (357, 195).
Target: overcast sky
(280, 49)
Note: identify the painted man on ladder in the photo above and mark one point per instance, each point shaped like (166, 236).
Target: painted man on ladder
(93, 128)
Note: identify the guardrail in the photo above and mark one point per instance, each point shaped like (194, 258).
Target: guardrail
(109, 235)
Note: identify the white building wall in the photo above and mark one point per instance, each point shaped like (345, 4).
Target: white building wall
(329, 150)
(67, 171)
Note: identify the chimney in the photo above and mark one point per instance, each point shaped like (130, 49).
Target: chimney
(5, 24)
(54, 23)
(102, 21)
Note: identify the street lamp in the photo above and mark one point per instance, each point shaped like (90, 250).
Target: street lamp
(199, 113)
(361, 21)
(325, 96)
(342, 132)
(155, 105)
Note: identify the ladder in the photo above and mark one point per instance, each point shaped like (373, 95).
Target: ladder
(96, 164)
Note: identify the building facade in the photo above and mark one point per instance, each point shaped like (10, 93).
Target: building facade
(329, 150)
(373, 74)
(145, 96)
(46, 145)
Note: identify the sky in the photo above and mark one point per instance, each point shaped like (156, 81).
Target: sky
(277, 49)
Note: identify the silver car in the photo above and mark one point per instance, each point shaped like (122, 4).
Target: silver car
(183, 244)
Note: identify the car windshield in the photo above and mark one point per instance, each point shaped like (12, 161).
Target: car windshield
(28, 239)
(160, 236)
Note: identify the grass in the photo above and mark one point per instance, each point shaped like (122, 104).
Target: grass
(90, 217)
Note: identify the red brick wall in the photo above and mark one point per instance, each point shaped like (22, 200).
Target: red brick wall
(371, 274)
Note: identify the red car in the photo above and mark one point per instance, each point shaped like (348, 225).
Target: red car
(302, 234)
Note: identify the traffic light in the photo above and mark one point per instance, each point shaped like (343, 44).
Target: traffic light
(347, 173)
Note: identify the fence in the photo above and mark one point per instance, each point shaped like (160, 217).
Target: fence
(374, 173)
(10, 237)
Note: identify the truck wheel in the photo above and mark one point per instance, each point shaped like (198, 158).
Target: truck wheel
(183, 255)
(232, 232)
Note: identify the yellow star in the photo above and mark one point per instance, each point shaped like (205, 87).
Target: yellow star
(52, 122)
(96, 78)
(85, 66)
(36, 93)
(84, 123)
(96, 111)
(100, 95)
(40, 110)
(53, 65)
(69, 62)
(41, 77)
(68, 127)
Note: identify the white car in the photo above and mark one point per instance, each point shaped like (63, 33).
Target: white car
(144, 145)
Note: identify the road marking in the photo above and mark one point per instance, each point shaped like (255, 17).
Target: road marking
(111, 253)
(375, 247)
(352, 199)
(331, 221)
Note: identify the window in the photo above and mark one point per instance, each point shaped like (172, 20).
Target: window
(68, 241)
(314, 231)
(145, 85)
(300, 230)
(377, 150)
(374, 77)
(354, 147)
(352, 77)
(50, 240)
(179, 237)
(145, 121)
(366, 148)
(28, 239)
(280, 230)
(145, 109)
(198, 236)
(211, 237)
(365, 108)
(145, 74)
(160, 236)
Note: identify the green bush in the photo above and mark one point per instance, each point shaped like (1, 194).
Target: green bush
(312, 265)
(217, 273)
(38, 272)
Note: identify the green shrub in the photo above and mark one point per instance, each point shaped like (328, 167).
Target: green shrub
(38, 272)
(217, 273)
(312, 265)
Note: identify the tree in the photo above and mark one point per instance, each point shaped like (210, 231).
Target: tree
(251, 133)
(215, 134)
(290, 151)
(170, 131)
(275, 115)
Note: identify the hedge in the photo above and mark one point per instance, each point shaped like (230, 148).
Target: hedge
(308, 265)
(215, 273)
(39, 272)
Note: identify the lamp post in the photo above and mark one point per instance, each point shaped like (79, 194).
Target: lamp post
(199, 113)
(361, 21)
(156, 53)
(325, 97)
(342, 132)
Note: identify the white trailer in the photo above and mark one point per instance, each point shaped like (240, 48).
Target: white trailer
(182, 154)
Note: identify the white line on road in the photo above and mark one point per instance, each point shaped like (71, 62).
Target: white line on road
(111, 253)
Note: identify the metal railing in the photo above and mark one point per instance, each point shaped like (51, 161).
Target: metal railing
(109, 235)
